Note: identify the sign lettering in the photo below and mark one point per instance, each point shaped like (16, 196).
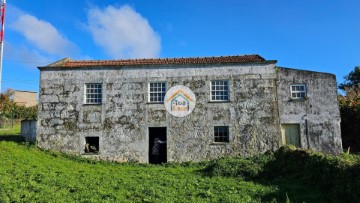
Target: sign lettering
(180, 101)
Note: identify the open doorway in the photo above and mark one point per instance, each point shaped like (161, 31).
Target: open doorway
(157, 145)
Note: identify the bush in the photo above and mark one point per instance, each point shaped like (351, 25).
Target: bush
(339, 176)
(11, 110)
(232, 167)
(247, 168)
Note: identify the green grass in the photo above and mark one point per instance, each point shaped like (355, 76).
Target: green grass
(28, 174)
(8, 130)
(11, 133)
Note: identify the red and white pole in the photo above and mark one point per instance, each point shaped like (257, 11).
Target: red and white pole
(2, 10)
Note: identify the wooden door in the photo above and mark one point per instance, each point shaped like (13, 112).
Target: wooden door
(290, 134)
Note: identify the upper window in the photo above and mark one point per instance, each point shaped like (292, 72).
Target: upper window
(298, 91)
(93, 93)
(157, 91)
(219, 90)
(221, 134)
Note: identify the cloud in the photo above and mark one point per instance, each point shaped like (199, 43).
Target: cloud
(43, 35)
(123, 33)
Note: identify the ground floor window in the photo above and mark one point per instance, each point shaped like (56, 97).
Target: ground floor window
(91, 145)
(221, 134)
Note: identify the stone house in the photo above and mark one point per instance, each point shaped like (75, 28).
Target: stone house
(184, 109)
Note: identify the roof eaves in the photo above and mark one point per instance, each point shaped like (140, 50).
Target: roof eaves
(229, 60)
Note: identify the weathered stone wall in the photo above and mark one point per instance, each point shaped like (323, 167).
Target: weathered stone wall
(318, 114)
(123, 118)
(259, 103)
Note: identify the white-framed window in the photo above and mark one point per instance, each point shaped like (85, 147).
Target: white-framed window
(219, 90)
(221, 133)
(93, 93)
(298, 91)
(157, 91)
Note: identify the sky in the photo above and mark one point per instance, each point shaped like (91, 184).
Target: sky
(317, 35)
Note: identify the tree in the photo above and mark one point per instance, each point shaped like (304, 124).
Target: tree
(350, 110)
(350, 118)
(11, 110)
(352, 79)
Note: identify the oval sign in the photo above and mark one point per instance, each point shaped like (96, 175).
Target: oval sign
(179, 101)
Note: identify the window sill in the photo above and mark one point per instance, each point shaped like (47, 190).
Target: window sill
(298, 99)
(228, 101)
(90, 154)
(220, 143)
(154, 102)
(92, 104)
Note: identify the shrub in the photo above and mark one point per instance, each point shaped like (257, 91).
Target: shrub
(339, 176)
(231, 167)
(247, 168)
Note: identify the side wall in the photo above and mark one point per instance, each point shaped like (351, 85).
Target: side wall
(123, 118)
(318, 114)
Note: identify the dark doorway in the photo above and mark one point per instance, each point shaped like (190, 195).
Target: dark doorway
(157, 145)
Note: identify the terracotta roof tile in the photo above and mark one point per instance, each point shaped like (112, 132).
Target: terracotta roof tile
(161, 61)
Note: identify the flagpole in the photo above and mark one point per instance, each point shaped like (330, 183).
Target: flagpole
(2, 39)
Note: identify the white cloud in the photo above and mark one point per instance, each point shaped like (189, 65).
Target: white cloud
(123, 33)
(43, 35)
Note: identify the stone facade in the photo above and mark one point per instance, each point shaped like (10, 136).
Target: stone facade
(317, 114)
(121, 123)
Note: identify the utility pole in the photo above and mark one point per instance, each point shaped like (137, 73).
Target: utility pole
(2, 9)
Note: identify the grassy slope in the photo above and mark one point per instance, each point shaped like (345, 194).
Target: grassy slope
(28, 174)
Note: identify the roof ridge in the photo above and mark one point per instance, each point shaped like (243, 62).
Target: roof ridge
(67, 62)
(171, 58)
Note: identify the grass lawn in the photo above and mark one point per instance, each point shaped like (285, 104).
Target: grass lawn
(11, 130)
(28, 174)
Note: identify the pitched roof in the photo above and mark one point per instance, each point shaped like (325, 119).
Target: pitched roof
(69, 63)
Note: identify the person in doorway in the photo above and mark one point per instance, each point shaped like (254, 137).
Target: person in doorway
(155, 150)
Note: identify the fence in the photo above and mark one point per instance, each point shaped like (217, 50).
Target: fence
(7, 123)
